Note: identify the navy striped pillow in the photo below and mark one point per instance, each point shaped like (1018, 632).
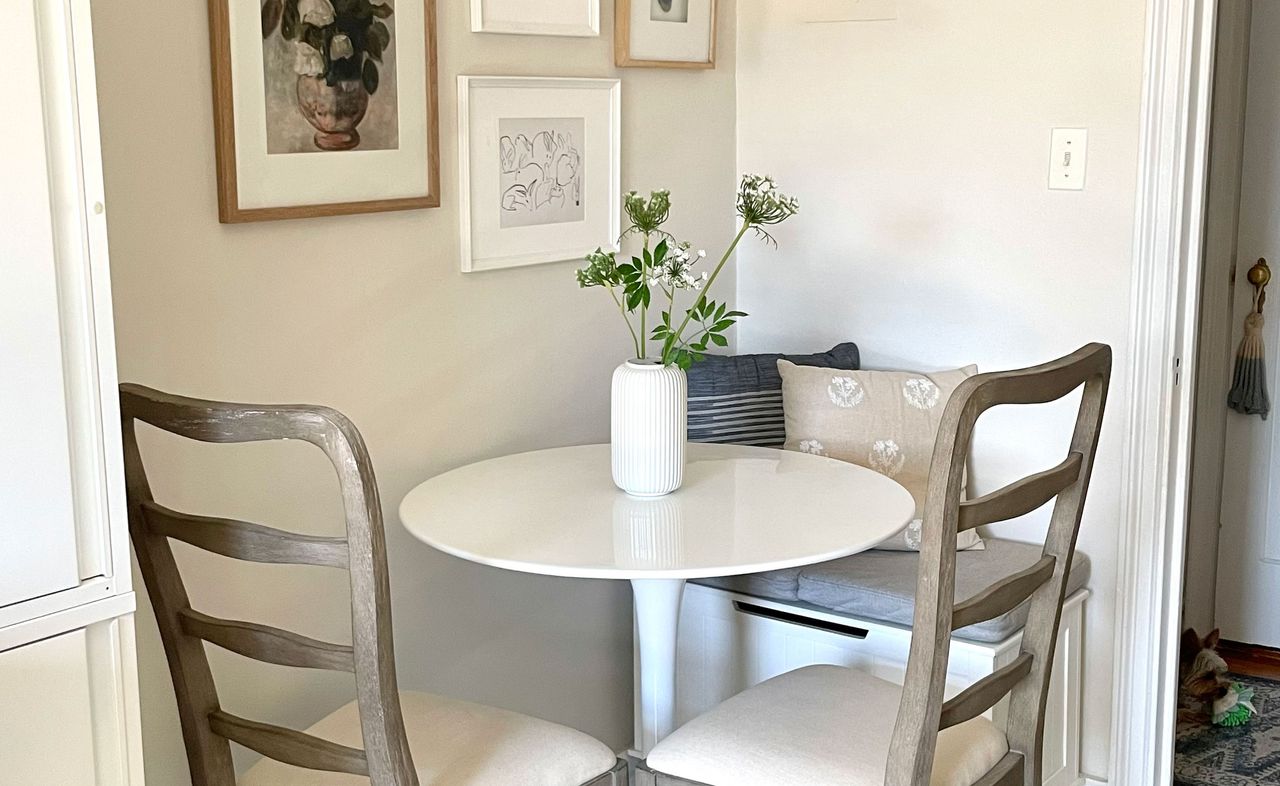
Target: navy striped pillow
(737, 399)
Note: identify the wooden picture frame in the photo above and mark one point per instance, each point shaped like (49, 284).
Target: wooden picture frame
(243, 169)
(510, 126)
(570, 18)
(638, 42)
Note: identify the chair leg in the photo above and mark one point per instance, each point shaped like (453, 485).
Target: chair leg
(644, 776)
(614, 777)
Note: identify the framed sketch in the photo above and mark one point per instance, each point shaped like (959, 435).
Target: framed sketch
(545, 17)
(665, 33)
(540, 166)
(324, 107)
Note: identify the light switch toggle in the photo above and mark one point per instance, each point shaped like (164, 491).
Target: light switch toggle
(1067, 157)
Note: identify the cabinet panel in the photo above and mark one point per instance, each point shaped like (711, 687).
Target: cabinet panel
(38, 550)
(46, 729)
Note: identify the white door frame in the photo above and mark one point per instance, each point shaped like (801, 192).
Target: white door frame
(1164, 309)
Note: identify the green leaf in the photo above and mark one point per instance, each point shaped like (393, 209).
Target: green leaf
(633, 299)
(736, 314)
(722, 325)
(666, 318)
(272, 10)
(646, 295)
(720, 312)
(660, 253)
(720, 341)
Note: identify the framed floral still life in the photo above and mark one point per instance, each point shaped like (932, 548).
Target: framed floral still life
(324, 107)
(665, 33)
(540, 165)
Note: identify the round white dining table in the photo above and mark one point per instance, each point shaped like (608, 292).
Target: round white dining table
(740, 510)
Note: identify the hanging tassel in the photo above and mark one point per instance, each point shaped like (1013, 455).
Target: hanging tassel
(1249, 385)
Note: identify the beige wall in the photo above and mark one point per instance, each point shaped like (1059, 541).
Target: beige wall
(919, 149)
(370, 314)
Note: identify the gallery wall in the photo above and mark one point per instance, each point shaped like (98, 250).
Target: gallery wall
(371, 315)
(919, 149)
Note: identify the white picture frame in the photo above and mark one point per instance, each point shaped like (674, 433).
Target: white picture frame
(573, 18)
(512, 131)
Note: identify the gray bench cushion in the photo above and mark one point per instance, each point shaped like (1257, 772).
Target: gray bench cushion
(881, 585)
(737, 399)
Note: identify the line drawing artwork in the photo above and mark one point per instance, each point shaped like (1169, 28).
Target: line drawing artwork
(541, 162)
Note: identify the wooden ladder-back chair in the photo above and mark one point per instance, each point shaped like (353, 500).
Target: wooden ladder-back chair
(207, 729)
(906, 755)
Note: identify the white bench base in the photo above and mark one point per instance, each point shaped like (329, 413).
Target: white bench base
(729, 642)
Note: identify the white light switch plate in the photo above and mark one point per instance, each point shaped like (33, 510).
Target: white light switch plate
(1068, 155)
(849, 10)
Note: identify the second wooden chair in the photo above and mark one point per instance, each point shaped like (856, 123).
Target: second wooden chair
(384, 736)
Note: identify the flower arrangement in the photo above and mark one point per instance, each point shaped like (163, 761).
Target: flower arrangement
(668, 267)
(340, 40)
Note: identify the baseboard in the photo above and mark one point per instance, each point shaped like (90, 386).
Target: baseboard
(1093, 782)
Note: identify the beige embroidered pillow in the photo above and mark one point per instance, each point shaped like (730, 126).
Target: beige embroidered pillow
(883, 420)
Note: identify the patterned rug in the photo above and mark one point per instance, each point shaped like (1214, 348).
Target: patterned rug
(1208, 755)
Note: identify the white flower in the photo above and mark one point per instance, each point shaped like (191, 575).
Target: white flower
(845, 393)
(812, 447)
(915, 534)
(886, 457)
(307, 60)
(921, 393)
(761, 203)
(316, 12)
(676, 272)
(340, 47)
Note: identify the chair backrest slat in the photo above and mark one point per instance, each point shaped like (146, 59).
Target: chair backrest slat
(245, 540)
(985, 693)
(1020, 498)
(206, 728)
(267, 644)
(1003, 596)
(289, 746)
(923, 711)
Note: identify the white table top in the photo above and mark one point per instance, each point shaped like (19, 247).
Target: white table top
(741, 510)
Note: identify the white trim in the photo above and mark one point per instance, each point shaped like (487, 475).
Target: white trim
(1168, 241)
(66, 620)
(589, 26)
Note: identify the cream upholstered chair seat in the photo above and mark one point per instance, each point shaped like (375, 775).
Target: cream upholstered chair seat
(457, 743)
(817, 725)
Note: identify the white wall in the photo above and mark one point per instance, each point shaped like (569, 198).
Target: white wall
(370, 314)
(919, 150)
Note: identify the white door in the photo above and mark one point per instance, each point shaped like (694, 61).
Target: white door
(1247, 606)
(38, 552)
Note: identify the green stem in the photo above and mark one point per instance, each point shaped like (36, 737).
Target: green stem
(644, 309)
(679, 334)
(635, 340)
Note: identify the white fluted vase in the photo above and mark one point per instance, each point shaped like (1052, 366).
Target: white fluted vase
(649, 409)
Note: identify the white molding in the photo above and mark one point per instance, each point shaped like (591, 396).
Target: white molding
(1168, 240)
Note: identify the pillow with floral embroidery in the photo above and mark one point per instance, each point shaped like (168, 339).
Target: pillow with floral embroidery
(886, 421)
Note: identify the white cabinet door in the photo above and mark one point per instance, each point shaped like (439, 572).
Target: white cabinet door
(46, 729)
(38, 550)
